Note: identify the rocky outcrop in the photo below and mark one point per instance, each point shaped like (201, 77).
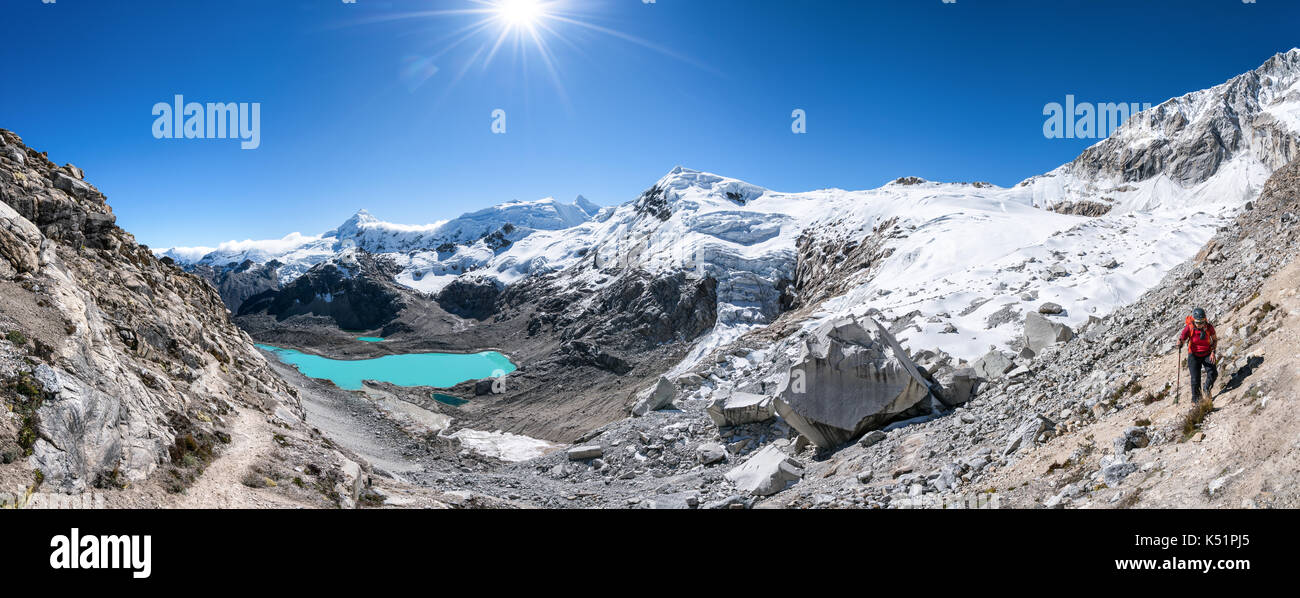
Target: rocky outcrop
(65, 208)
(1091, 209)
(120, 365)
(579, 353)
(1188, 138)
(637, 311)
(1041, 332)
(848, 379)
(473, 298)
(237, 282)
(355, 289)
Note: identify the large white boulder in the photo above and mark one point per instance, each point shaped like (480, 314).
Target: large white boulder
(848, 379)
(738, 408)
(1041, 332)
(767, 472)
(658, 398)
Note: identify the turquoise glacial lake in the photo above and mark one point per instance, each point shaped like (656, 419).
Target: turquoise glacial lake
(370, 339)
(439, 370)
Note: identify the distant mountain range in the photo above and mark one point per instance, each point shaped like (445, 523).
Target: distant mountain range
(958, 260)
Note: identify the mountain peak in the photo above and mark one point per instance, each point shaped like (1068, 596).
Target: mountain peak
(586, 205)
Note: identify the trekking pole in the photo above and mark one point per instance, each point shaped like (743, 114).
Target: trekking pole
(1178, 377)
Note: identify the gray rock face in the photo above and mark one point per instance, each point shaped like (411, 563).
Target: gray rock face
(767, 472)
(355, 289)
(710, 453)
(130, 353)
(349, 487)
(959, 387)
(1027, 433)
(237, 282)
(473, 298)
(993, 365)
(660, 397)
(1115, 473)
(871, 438)
(1135, 437)
(1041, 333)
(848, 379)
(739, 408)
(584, 452)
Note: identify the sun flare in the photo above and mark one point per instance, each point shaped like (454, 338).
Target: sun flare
(520, 13)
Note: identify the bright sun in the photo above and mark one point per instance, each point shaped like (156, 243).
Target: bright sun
(520, 13)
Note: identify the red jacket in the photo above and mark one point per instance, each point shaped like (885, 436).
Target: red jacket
(1202, 340)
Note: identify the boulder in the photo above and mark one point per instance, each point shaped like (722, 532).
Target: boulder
(959, 387)
(871, 438)
(1025, 435)
(848, 379)
(659, 397)
(1041, 333)
(737, 408)
(710, 453)
(767, 472)
(1050, 309)
(993, 365)
(1135, 437)
(584, 452)
(1115, 473)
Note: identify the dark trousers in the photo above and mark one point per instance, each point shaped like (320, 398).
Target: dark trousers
(1195, 364)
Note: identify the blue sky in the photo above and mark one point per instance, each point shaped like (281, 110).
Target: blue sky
(906, 87)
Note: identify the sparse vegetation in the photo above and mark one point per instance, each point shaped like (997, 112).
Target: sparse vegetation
(1156, 397)
(110, 480)
(1195, 417)
(1127, 390)
(24, 398)
(370, 498)
(190, 453)
(16, 337)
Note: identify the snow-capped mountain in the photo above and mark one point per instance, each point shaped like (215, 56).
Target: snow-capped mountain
(952, 266)
(439, 251)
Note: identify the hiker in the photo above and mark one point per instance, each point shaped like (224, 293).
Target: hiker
(1202, 352)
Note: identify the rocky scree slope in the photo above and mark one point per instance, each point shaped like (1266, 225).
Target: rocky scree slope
(118, 370)
(1093, 421)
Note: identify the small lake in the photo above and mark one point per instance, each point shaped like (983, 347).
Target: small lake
(370, 339)
(439, 370)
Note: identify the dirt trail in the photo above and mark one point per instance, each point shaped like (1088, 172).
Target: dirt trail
(221, 484)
